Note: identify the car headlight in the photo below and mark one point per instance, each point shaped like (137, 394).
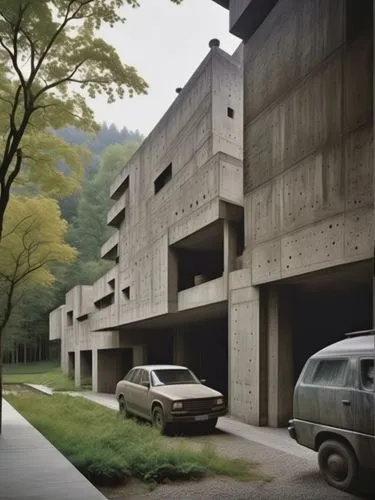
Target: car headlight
(177, 406)
(220, 401)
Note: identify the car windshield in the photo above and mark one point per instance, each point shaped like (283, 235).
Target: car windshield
(172, 376)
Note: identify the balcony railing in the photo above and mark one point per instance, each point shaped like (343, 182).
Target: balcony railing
(201, 295)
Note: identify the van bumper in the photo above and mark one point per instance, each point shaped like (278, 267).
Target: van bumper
(292, 430)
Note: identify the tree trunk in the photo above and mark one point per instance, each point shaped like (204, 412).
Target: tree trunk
(40, 350)
(25, 353)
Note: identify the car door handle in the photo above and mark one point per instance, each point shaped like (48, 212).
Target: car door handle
(345, 402)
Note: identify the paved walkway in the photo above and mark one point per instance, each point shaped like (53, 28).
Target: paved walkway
(31, 468)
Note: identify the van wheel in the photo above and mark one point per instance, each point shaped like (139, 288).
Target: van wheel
(338, 465)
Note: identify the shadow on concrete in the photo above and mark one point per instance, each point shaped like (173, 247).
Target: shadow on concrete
(365, 491)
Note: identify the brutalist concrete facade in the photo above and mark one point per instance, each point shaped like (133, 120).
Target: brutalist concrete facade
(177, 207)
(244, 237)
(308, 193)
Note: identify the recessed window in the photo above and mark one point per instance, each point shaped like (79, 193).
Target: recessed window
(230, 112)
(106, 301)
(163, 178)
(112, 283)
(367, 374)
(69, 318)
(126, 292)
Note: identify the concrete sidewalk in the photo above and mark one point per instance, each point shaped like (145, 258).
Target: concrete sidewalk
(31, 468)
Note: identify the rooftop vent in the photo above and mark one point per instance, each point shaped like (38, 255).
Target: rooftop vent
(214, 43)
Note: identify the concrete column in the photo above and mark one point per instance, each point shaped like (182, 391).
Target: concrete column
(179, 347)
(246, 366)
(139, 355)
(77, 369)
(230, 249)
(95, 370)
(280, 357)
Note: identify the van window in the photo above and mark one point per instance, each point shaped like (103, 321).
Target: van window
(367, 373)
(331, 372)
(136, 377)
(129, 375)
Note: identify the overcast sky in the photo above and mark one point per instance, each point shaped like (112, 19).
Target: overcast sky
(166, 43)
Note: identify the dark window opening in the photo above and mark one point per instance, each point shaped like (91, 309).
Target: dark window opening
(163, 178)
(367, 374)
(240, 232)
(126, 292)
(69, 318)
(359, 18)
(198, 266)
(117, 260)
(112, 283)
(230, 112)
(106, 301)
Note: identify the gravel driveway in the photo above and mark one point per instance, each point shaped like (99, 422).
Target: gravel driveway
(293, 469)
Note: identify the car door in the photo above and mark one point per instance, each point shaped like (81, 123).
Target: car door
(330, 393)
(141, 396)
(130, 389)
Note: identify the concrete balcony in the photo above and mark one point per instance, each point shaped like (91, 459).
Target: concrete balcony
(211, 292)
(109, 250)
(120, 185)
(105, 285)
(117, 213)
(106, 318)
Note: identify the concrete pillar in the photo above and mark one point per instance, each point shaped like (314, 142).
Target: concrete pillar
(139, 355)
(280, 357)
(246, 363)
(77, 369)
(172, 280)
(95, 370)
(179, 347)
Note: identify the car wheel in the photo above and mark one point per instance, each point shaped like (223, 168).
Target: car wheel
(210, 425)
(123, 407)
(338, 465)
(158, 419)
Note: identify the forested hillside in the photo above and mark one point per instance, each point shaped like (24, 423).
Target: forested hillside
(26, 335)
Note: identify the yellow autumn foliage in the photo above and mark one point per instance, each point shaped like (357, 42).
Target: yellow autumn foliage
(32, 242)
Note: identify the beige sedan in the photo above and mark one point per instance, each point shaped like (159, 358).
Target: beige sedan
(169, 394)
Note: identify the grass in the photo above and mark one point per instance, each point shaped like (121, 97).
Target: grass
(108, 449)
(44, 373)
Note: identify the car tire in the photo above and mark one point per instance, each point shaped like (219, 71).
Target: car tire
(339, 465)
(209, 425)
(158, 419)
(123, 409)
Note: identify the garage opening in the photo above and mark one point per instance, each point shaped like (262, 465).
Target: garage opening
(203, 347)
(71, 364)
(113, 365)
(327, 306)
(86, 369)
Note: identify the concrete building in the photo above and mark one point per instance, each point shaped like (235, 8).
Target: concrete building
(244, 237)
(177, 219)
(308, 191)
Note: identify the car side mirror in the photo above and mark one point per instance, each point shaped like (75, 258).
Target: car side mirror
(203, 380)
(146, 384)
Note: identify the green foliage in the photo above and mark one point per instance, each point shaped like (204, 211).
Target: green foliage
(90, 230)
(52, 378)
(111, 449)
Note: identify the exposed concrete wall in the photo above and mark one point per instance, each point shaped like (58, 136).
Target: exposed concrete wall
(308, 166)
(247, 364)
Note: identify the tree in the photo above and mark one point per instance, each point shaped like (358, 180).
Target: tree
(33, 241)
(49, 54)
(90, 230)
